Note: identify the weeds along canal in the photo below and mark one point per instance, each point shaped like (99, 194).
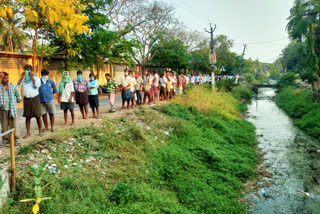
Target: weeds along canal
(291, 158)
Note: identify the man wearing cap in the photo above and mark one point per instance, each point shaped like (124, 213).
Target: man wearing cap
(46, 91)
(31, 103)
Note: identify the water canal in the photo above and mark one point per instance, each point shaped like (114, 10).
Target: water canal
(290, 157)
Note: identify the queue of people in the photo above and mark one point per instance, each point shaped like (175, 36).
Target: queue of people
(38, 95)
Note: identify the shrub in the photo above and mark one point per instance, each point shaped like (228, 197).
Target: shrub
(205, 100)
(226, 85)
(242, 93)
(288, 79)
(299, 105)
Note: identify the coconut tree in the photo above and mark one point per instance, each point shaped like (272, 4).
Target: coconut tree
(12, 36)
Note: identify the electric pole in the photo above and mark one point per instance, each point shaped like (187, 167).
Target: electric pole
(212, 57)
(244, 50)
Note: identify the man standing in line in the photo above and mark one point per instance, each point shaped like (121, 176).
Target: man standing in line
(169, 85)
(46, 91)
(193, 79)
(93, 95)
(31, 102)
(181, 81)
(139, 88)
(66, 97)
(125, 85)
(9, 97)
(111, 89)
(81, 88)
(155, 80)
(133, 84)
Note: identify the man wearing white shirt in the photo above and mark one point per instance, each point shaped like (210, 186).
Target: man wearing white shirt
(133, 84)
(31, 103)
(156, 86)
(193, 79)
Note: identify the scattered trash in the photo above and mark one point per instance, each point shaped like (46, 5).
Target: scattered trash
(166, 133)
(318, 151)
(53, 169)
(306, 194)
(148, 127)
(263, 192)
(66, 166)
(156, 137)
(103, 173)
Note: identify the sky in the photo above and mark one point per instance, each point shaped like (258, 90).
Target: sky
(254, 22)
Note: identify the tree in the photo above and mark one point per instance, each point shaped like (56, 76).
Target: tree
(13, 38)
(171, 54)
(304, 27)
(153, 32)
(223, 50)
(64, 18)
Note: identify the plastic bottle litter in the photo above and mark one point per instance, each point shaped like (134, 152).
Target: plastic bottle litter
(263, 192)
(53, 169)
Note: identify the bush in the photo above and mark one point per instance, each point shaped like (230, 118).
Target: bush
(288, 79)
(242, 93)
(226, 85)
(299, 105)
(206, 100)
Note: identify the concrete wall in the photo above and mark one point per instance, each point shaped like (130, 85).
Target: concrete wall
(13, 63)
(4, 188)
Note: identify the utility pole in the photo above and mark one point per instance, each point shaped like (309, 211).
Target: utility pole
(244, 50)
(212, 57)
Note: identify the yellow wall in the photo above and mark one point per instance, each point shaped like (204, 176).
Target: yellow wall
(13, 64)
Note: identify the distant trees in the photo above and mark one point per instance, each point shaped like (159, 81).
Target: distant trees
(12, 36)
(90, 33)
(64, 18)
(302, 55)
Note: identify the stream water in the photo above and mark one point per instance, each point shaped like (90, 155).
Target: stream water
(290, 157)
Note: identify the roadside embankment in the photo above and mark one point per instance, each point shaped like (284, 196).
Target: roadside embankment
(190, 156)
(302, 108)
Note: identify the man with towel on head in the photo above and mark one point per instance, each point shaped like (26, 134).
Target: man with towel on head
(31, 102)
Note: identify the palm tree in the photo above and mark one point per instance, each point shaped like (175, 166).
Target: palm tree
(12, 36)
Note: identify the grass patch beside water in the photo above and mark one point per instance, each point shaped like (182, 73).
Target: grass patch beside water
(173, 158)
(300, 106)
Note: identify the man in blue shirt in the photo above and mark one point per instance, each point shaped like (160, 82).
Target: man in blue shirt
(46, 91)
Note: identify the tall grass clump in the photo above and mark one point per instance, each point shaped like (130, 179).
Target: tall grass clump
(204, 100)
(300, 105)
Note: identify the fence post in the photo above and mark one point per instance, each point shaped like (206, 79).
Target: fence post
(13, 162)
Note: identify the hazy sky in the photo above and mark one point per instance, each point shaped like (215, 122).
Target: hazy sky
(244, 21)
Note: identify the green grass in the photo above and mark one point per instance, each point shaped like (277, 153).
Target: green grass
(170, 159)
(300, 105)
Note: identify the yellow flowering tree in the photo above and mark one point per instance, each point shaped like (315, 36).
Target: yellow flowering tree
(64, 18)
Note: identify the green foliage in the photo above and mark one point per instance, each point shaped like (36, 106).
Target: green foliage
(226, 85)
(170, 160)
(171, 54)
(197, 166)
(242, 93)
(300, 106)
(287, 79)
